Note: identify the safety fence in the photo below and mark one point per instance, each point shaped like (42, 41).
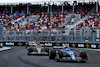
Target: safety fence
(53, 35)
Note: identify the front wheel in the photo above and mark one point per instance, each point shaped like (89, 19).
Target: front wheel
(84, 57)
(81, 60)
(28, 53)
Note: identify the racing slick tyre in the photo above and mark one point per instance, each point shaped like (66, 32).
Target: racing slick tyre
(30, 50)
(83, 55)
(52, 54)
(59, 56)
(25, 46)
(28, 53)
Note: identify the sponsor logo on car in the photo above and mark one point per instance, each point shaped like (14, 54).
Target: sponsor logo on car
(93, 46)
(10, 43)
(80, 45)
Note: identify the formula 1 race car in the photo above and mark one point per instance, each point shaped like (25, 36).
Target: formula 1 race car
(37, 49)
(67, 54)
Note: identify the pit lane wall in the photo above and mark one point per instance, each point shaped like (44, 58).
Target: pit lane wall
(50, 44)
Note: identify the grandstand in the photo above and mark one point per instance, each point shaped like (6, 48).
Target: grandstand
(66, 20)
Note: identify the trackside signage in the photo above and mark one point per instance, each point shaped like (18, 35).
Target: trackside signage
(87, 45)
(93, 46)
(48, 44)
(10, 43)
(1, 44)
(73, 45)
(80, 45)
(65, 44)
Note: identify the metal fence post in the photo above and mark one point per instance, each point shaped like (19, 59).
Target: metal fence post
(81, 35)
(75, 35)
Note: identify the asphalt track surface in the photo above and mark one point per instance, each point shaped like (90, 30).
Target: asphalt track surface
(17, 57)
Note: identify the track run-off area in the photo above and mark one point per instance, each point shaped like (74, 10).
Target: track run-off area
(17, 57)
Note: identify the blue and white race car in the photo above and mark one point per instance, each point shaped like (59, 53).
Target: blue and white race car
(67, 54)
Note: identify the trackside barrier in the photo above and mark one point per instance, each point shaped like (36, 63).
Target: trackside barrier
(50, 44)
(54, 35)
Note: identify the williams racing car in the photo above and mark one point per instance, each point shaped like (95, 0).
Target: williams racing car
(67, 54)
(37, 49)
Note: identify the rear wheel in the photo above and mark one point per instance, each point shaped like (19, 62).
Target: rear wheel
(59, 56)
(52, 54)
